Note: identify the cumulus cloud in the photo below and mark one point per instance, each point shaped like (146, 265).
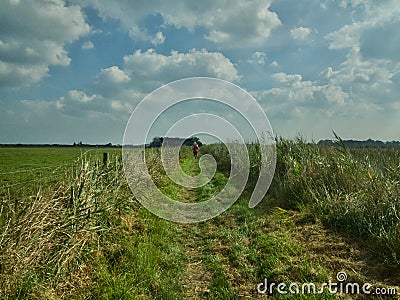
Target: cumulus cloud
(371, 82)
(258, 58)
(372, 53)
(232, 23)
(37, 107)
(243, 21)
(353, 3)
(300, 33)
(93, 105)
(295, 97)
(33, 35)
(371, 47)
(346, 37)
(79, 96)
(287, 79)
(355, 88)
(135, 32)
(157, 67)
(116, 90)
(111, 82)
(274, 64)
(113, 75)
(78, 103)
(87, 45)
(377, 14)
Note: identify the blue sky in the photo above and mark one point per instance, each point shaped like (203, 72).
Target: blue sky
(74, 70)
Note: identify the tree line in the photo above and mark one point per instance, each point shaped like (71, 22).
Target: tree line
(174, 141)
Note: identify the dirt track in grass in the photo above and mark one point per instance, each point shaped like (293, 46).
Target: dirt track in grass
(326, 252)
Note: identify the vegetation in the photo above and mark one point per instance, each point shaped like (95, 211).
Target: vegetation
(78, 233)
(362, 144)
(356, 191)
(157, 142)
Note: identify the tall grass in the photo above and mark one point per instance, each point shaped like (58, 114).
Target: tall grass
(88, 237)
(355, 191)
(47, 236)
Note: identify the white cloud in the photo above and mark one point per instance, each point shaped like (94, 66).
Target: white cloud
(242, 22)
(300, 33)
(37, 107)
(142, 34)
(80, 103)
(116, 90)
(158, 38)
(377, 14)
(152, 66)
(294, 97)
(121, 106)
(360, 80)
(112, 75)
(112, 83)
(274, 64)
(233, 23)
(87, 45)
(371, 83)
(258, 58)
(346, 37)
(32, 38)
(79, 96)
(369, 71)
(287, 79)
(93, 105)
(356, 88)
(353, 3)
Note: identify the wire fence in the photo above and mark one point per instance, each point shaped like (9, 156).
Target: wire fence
(35, 169)
(29, 181)
(52, 169)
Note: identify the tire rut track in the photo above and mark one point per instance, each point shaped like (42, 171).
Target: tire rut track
(197, 278)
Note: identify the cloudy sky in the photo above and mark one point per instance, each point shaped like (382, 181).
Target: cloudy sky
(74, 70)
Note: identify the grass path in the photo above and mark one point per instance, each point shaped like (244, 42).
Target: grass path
(196, 277)
(227, 256)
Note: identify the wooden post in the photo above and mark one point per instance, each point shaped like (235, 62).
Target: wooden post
(105, 158)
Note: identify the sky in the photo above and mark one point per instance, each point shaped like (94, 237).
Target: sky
(75, 70)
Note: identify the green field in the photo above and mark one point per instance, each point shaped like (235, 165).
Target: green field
(70, 227)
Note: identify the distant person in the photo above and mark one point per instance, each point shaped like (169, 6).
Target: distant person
(195, 149)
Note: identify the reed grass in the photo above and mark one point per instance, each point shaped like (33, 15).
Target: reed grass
(354, 191)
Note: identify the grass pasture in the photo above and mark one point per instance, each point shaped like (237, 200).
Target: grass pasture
(70, 227)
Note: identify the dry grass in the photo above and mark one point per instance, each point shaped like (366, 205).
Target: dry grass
(48, 236)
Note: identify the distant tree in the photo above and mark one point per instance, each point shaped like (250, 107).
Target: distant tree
(361, 144)
(190, 141)
(157, 142)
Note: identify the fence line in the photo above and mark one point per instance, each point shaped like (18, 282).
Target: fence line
(29, 181)
(34, 169)
(75, 163)
(47, 167)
